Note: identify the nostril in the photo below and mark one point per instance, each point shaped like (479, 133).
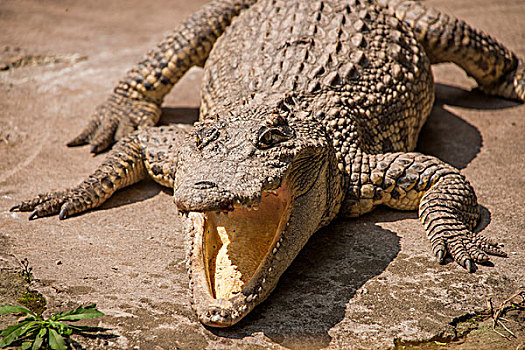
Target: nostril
(204, 185)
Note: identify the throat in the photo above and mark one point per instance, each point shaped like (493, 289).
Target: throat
(237, 243)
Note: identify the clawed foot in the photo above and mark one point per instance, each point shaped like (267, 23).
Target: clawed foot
(466, 248)
(123, 166)
(115, 119)
(64, 203)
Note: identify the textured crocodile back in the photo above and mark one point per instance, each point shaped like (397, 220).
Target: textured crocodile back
(358, 69)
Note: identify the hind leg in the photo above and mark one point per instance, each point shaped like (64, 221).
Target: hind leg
(497, 70)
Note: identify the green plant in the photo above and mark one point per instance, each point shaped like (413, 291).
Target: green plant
(33, 331)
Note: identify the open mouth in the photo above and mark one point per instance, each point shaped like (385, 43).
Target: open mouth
(235, 243)
(230, 252)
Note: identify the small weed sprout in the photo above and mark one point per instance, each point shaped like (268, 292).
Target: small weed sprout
(27, 271)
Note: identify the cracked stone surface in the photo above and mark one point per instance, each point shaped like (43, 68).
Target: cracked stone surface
(358, 283)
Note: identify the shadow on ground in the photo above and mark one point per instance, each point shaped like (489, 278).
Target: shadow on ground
(313, 293)
(447, 136)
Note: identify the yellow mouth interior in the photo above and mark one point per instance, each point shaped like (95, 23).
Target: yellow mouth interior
(235, 244)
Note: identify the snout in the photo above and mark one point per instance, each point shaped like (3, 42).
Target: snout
(202, 196)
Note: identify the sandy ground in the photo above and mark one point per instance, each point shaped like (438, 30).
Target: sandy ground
(358, 283)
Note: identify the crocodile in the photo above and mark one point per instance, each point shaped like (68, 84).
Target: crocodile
(309, 110)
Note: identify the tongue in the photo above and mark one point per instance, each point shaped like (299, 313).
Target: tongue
(227, 277)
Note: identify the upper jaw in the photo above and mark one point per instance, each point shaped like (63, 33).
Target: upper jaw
(191, 196)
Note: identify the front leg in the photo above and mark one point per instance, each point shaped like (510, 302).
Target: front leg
(446, 201)
(136, 100)
(152, 152)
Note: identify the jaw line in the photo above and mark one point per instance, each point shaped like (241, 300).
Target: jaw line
(253, 281)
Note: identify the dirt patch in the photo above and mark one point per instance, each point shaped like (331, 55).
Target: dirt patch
(12, 286)
(476, 331)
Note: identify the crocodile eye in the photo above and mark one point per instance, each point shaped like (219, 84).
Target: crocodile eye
(205, 135)
(270, 136)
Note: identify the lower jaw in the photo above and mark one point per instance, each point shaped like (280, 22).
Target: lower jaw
(211, 311)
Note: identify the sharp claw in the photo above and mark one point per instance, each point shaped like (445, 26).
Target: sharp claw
(468, 265)
(33, 215)
(16, 207)
(96, 149)
(483, 259)
(498, 252)
(74, 143)
(440, 256)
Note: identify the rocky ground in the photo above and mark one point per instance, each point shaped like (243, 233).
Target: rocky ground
(367, 283)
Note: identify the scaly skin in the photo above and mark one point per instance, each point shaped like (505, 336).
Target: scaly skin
(497, 70)
(309, 110)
